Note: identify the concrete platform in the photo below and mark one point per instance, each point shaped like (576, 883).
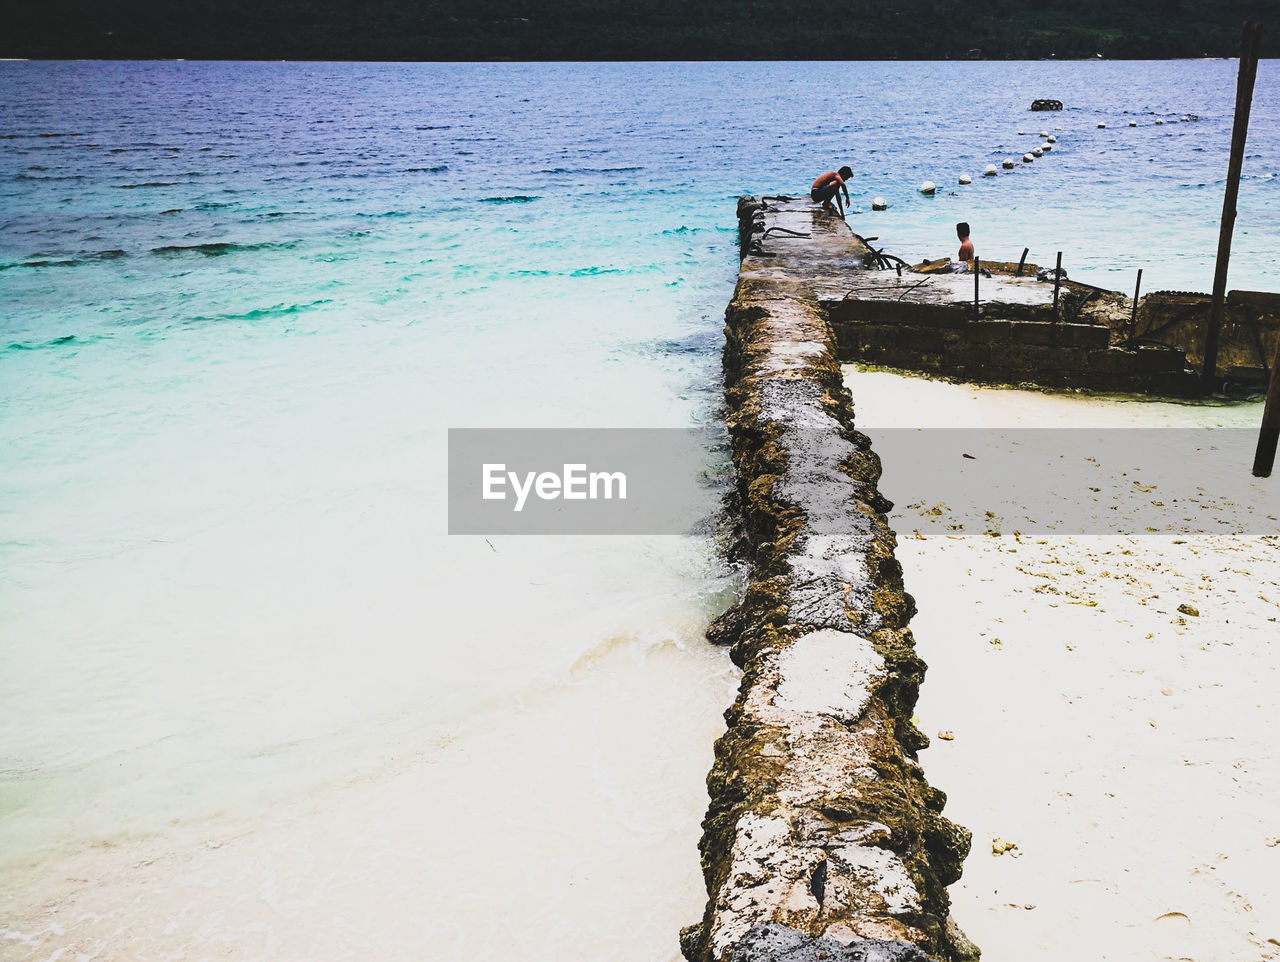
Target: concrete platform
(926, 321)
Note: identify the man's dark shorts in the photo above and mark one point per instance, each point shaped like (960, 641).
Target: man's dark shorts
(821, 195)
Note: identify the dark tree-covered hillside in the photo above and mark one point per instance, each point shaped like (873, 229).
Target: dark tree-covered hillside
(627, 30)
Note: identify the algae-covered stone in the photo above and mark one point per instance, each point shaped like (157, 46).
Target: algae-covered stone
(1000, 846)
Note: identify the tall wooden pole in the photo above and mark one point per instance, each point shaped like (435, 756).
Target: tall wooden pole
(1264, 460)
(1250, 41)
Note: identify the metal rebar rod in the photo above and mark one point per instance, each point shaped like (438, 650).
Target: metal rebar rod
(977, 279)
(1057, 283)
(1133, 318)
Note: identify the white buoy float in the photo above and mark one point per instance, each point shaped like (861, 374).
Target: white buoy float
(1051, 139)
(966, 179)
(1007, 164)
(1101, 125)
(879, 204)
(928, 188)
(989, 170)
(1044, 133)
(1057, 128)
(1045, 147)
(1159, 121)
(1037, 152)
(1028, 159)
(1133, 123)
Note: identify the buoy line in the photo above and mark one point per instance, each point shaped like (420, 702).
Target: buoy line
(1049, 139)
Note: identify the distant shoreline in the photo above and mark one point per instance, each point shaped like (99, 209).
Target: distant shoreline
(618, 31)
(673, 60)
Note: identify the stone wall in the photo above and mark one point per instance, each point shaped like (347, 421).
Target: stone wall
(950, 341)
(1002, 343)
(1247, 341)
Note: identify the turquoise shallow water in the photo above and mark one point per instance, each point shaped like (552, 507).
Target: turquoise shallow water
(244, 302)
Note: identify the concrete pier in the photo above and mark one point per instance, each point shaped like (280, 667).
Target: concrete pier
(823, 839)
(918, 319)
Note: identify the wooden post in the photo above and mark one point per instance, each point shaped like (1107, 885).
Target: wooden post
(1133, 318)
(1264, 460)
(1023, 259)
(1250, 40)
(977, 278)
(1057, 282)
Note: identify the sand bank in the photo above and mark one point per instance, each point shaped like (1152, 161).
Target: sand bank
(1110, 698)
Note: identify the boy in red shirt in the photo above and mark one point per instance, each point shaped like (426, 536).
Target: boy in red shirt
(829, 186)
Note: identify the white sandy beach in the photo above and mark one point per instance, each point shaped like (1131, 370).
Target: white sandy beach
(1125, 747)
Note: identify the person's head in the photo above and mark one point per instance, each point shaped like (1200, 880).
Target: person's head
(962, 230)
(845, 173)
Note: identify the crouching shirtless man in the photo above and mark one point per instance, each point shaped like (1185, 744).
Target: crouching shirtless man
(829, 186)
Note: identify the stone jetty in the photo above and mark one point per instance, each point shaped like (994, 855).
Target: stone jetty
(823, 839)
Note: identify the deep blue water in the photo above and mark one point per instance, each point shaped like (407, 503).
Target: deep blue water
(132, 191)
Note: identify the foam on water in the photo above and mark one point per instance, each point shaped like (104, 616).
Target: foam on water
(252, 694)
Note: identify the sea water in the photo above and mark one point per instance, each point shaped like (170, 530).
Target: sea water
(253, 699)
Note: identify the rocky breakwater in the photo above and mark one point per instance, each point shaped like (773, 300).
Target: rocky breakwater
(823, 839)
